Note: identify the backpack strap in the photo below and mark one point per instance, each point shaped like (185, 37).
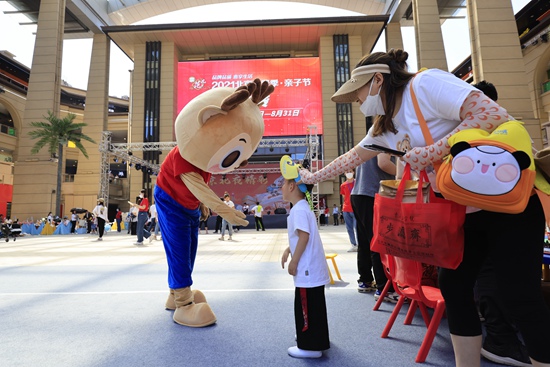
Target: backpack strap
(423, 125)
(420, 117)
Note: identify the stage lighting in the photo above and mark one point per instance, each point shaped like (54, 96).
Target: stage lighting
(115, 159)
(265, 175)
(271, 148)
(143, 169)
(286, 149)
(130, 153)
(138, 166)
(130, 165)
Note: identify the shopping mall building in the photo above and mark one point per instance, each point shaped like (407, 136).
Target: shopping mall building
(308, 59)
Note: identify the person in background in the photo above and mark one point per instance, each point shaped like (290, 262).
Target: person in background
(335, 214)
(204, 223)
(89, 217)
(309, 270)
(501, 343)
(369, 175)
(229, 203)
(49, 218)
(219, 220)
(74, 219)
(118, 219)
(382, 85)
(153, 226)
(143, 215)
(128, 220)
(257, 210)
(100, 212)
(246, 208)
(326, 216)
(347, 210)
(321, 215)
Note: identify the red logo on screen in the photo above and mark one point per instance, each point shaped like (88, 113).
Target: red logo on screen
(197, 84)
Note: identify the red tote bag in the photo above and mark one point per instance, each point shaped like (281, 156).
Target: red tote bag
(431, 233)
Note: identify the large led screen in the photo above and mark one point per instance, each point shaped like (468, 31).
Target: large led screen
(294, 105)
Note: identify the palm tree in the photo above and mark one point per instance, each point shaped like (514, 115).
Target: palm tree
(55, 134)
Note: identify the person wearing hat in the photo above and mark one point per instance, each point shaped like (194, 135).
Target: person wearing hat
(100, 212)
(384, 88)
(308, 267)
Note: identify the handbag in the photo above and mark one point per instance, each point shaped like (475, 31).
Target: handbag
(429, 232)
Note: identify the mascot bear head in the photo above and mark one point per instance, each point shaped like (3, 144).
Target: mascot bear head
(221, 130)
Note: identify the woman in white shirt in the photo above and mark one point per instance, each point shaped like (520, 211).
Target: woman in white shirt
(381, 84)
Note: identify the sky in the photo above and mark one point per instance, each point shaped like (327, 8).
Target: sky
(77, 53)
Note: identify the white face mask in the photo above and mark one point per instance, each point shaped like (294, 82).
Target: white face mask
(349, 175)
(373, 104)
(141, 196)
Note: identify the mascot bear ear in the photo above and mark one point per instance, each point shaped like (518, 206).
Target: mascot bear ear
(208, 112)
(524, 161)
(459, 147)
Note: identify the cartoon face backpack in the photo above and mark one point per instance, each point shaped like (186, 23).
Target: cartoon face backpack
(491, 171)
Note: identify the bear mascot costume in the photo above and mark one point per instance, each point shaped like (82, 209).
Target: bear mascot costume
(216, 133)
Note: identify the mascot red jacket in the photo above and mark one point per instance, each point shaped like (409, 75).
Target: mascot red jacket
(216, 133)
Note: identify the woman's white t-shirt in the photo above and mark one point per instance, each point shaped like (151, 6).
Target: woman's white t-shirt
(312, 268)
(101, 212)
(440, 96)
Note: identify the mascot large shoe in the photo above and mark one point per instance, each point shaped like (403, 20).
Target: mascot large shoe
(189, 313)
(198, 297)
(216, 133)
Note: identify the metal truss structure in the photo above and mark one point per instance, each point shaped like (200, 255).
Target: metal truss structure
(124, 151)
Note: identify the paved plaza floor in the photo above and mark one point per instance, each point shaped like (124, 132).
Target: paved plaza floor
(72, 301)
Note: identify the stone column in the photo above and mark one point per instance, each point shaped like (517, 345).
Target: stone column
(35, 176)
(86, 183)
(497, 57)
(394, 38)
(429, 39)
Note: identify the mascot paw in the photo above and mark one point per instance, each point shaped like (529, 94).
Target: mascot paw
(195, 315)
(198, 297)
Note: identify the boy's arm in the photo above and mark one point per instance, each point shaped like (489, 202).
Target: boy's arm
(303, 238)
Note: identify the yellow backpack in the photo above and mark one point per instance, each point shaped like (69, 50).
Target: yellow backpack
(491, 171)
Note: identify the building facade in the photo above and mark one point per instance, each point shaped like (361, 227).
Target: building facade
(516, 63)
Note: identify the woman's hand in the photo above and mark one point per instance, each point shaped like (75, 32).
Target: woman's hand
(420, 158)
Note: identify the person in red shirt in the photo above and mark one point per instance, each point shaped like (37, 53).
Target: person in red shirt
(347, 211)
(118, 219)
(143, 215)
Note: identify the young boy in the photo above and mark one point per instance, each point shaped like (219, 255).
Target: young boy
(309, 268)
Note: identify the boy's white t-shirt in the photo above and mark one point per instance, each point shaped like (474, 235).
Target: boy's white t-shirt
(440, 96)
(312, 268)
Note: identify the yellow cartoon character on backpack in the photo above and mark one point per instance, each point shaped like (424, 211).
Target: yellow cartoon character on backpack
(491, 171)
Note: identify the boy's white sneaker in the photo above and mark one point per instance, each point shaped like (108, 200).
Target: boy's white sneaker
(301, 353)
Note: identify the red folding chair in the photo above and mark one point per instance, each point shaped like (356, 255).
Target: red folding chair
(406, 276)
(384, 260)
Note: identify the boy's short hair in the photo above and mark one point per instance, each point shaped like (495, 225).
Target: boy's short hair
(309, 187)
(225, 195)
